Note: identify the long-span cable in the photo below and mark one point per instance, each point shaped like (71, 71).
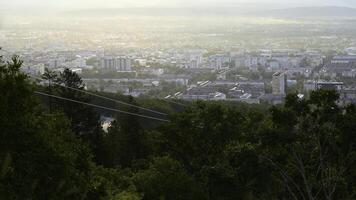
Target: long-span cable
(102, 97)
(101, 107)
(173, 102)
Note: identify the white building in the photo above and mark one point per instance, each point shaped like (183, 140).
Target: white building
(123, 64)
(119, 64)
(194, 58)
(279, 82)
(56, 63)
(34, 69)
(217, 96)
(338, 86)
(219, 61)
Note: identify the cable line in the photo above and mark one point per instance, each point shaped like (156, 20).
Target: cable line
(101, 107)
(170, 101)
(106, 98)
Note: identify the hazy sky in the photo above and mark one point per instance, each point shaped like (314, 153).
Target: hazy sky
(84, 4)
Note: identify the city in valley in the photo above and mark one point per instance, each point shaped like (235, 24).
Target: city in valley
(194, 57)
(177, 99)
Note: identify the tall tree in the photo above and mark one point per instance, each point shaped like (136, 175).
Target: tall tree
(125, 140)
(166, 178)
(51, 77)
(84, 119)
(39, 157)
(303, 146)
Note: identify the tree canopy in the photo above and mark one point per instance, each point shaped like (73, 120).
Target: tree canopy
(303, 149)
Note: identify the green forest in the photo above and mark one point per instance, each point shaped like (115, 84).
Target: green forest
(55, 149)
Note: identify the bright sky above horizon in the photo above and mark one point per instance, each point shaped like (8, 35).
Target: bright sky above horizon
(84, 4)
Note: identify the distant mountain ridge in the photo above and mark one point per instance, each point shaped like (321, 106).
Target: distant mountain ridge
(298, 12)
(153, 11)
(329, 11)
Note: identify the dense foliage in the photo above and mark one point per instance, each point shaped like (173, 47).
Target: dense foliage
(304, 149)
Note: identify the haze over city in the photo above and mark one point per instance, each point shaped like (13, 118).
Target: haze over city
(89, 4)
(177, 99)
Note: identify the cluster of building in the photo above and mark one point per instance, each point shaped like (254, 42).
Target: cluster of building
(340, 66)
(135, 86)
(247, 91)
(255, 92)
(138, 59)
(292, 61)
(35, 63)
(149, 71)
(286, 65)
